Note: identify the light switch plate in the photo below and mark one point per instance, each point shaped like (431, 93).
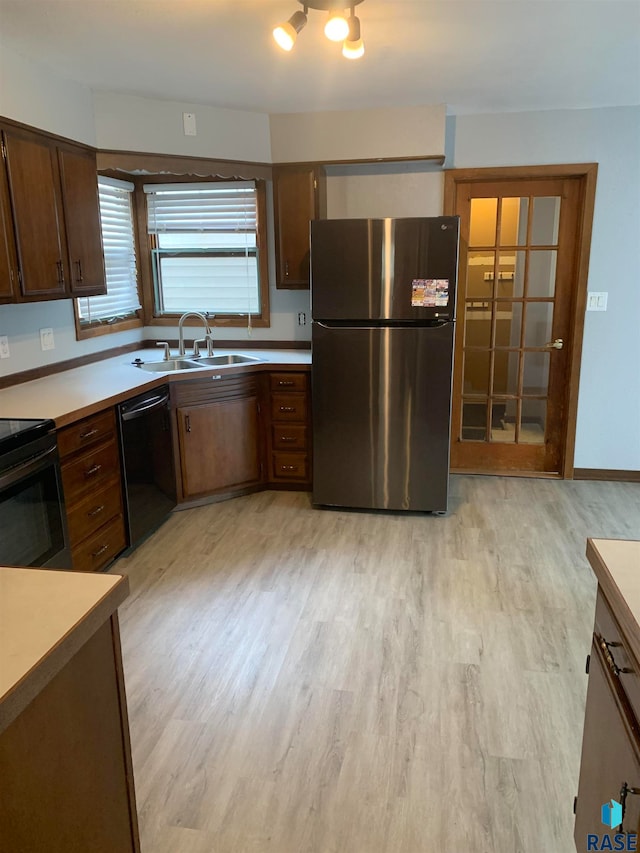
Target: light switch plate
(189, 124)
(597, 301)
(4, 347)
(46, 339)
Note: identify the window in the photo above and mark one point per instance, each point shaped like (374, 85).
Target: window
(205, 247)
(122, 301)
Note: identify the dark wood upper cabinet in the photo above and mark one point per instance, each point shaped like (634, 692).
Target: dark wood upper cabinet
(38, 216)
(8, 260)
(79, 180)
(299, 195)
(53, 218)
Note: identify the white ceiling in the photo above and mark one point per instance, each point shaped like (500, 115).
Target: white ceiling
(473, 55)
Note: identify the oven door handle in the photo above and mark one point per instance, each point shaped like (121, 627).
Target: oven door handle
(139, 411)
(25, 469)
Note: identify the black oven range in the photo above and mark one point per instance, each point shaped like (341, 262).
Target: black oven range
(33, 529)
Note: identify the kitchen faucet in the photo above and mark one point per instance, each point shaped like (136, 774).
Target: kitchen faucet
(207, 330)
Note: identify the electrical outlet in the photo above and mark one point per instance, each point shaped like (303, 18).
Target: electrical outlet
(189, 124)
(4, 347)
(302, 318)
(46, 339)
(597, 301)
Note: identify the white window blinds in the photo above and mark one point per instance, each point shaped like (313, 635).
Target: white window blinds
(205, 256)
(116, 217)
(221, 206)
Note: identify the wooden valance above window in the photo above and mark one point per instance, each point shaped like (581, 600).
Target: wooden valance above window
(138, 163)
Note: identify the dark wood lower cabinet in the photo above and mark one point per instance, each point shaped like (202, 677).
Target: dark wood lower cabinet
(219, 436)
(65, 761)
(610, 762)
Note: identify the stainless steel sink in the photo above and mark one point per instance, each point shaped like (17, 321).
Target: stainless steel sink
(222, 360)
(185, 363)
(169, 366)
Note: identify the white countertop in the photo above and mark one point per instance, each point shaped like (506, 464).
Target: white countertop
(616, 565)
(72, 394)
(45, 617)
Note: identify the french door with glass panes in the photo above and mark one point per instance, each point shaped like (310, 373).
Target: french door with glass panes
(517, 279)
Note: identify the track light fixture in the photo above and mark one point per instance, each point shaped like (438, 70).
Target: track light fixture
(338, 26)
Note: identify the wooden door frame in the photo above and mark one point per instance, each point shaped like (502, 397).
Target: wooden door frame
(586, 173)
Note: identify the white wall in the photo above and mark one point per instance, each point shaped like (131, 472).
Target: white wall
(30, 93)
(129, 123)
(358, 134)
(608, 427)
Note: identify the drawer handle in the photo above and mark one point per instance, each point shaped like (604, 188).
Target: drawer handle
(290, 438)
(95, 511)
(80, 277)
(606, 651)
(93, 470)
(100, 551)
(85, 435)
(287, 408)
(60, 272)
(187, 423)
(288, 467)
(286, 382)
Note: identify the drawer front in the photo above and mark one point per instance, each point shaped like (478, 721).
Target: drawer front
(98, 550)
(87, 432)
(91, 471)
(290, 466)
(289, 407)
(288, 381)
(93, 511)
(621, 663)
(289, 437)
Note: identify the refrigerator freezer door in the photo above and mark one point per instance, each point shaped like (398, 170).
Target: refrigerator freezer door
(381, 415)
(373, 269)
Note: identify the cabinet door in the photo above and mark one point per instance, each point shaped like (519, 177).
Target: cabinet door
(610, 754)
(37, 215)
(219, 446)
(82, 219)
(296, 201)
(8, 259)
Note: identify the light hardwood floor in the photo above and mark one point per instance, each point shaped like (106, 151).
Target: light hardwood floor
(307, 681)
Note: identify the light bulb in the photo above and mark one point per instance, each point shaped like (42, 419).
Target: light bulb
(353, 47)
(286, 34)
(337, 27)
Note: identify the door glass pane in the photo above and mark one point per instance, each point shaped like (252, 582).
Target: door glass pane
(538, 324)
(482, 228)
(536, 373)
(513, 221)
(474, 420)
(503, 419)
(476, 372)
(542, 273)
(477, 329)
(480, 274)
(545, 220)
(511, 267)
(508, 324)
(533, 421)
(505, 372)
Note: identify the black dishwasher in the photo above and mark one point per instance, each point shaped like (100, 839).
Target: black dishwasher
(147, 461)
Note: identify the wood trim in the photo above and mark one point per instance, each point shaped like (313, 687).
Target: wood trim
(606, 475)
(537, 475)
(96, 330)
(585, 226)
(586, 173)
(252, 343)
(132, 162)
(434, 158)
(69, 364)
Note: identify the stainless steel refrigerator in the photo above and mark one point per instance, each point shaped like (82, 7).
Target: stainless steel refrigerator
(383, 306)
